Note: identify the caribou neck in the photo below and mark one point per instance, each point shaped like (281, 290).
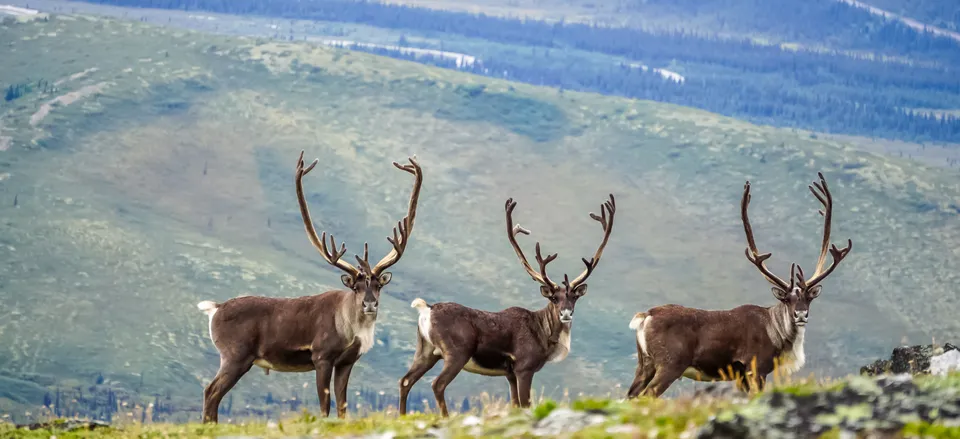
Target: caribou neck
(782, 330)
(350, 316)
(550, 326)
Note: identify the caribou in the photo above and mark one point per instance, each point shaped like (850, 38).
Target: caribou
(514, 343)
(744, 344)
(326, 332)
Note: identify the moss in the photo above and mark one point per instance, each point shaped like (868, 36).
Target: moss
(543, 409)
(928, 430)
(807, 389)
(590, 404)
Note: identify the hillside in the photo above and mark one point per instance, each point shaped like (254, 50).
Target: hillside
(143, 169)
(850, 73)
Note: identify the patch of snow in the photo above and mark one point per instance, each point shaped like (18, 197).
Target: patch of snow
(666, 74)
(917, 25)
(462, 59)
(15, 11)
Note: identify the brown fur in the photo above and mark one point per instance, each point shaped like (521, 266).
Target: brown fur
(514, 343)
(327, 332)
(745, 343)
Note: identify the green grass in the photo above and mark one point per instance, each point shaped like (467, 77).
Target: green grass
(645, 416)
(173, 184)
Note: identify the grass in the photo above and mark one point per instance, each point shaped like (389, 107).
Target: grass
(664, 418)
(173, 184)
(645, 416)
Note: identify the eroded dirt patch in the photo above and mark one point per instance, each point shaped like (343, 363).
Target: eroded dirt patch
(66, 99)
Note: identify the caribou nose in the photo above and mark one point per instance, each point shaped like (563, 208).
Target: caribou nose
(369, 307)
(566, 315)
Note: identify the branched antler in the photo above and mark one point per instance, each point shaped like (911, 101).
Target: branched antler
(822, 193)
(607, 211)
(401, 233)
(512, 232)
(333, 257)
(754, 255)
(399, 240)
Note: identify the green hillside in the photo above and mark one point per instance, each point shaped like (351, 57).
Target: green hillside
(144, 169)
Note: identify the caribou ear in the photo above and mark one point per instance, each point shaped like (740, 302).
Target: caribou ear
(546, 291)
(385, 278)
(779, 293)
(814, 292)
(580, 290)
(347, 280)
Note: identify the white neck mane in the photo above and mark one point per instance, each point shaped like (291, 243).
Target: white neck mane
(787, 337)
(353, 325)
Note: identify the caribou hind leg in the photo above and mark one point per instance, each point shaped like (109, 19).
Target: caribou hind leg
(452, 365)
(645, 373)
(421, 364)
(662, 379)
(229, 374)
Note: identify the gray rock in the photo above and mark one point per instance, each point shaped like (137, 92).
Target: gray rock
(907, 359)
(564, 420)
(945, 363)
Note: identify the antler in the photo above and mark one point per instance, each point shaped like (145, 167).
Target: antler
(512, 231)
(753, 255)
(405, 226)
(608, 208)
(822, 192)
(332, 257)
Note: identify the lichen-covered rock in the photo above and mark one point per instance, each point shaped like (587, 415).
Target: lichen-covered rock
(863, 404)
(907, 359)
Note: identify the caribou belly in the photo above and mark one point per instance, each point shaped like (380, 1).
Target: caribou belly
(266, 365)
(473, 367)
(695, 374)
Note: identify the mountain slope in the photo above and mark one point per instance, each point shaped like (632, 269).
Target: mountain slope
(147, 169)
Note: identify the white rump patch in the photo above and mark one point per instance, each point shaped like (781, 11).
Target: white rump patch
(209, 308)
(423, 321)
(638, 323)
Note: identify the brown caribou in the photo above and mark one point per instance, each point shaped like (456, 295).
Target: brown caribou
(326, 333)
(515, 342)
(745, 343)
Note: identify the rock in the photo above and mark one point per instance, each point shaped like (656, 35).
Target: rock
(722, 391)
(622, 429)
(564, 420)
(945, 363)
(865, 406)
(907, 359)
(471, 420)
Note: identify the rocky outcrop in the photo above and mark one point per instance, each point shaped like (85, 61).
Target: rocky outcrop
(861, 405)
(911, 359)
